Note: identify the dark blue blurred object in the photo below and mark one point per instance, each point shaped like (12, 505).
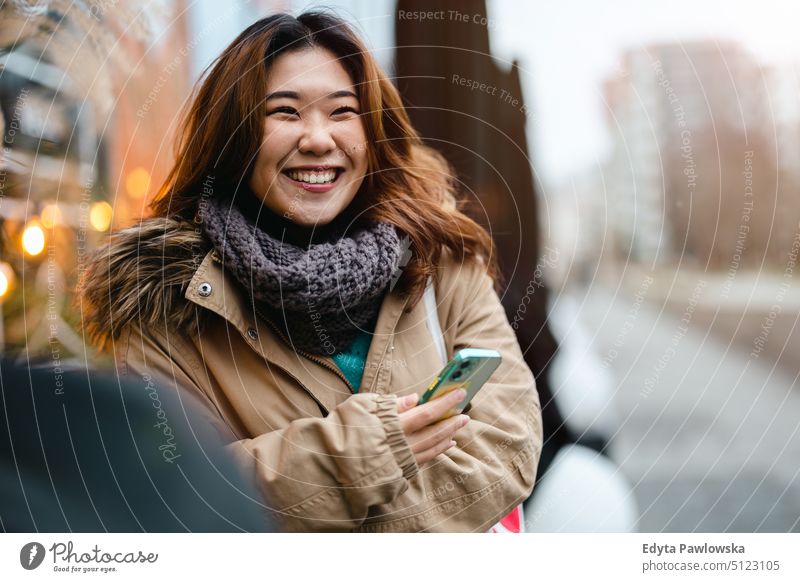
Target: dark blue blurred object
(84, 452)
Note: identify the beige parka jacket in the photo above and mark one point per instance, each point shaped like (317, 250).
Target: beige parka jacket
(325, 458)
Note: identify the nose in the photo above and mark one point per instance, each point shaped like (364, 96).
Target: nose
(316, 138)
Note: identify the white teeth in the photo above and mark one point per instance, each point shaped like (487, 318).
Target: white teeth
(313, 177)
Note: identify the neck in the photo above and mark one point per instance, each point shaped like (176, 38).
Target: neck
(283, 229)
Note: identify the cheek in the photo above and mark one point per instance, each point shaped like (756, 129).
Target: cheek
(278, 141)
(278, 130)
(356, 140)
(263, 162)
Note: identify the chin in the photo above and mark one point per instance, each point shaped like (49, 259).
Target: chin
(312, 221)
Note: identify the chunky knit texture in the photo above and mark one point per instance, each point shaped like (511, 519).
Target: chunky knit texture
(320, 296)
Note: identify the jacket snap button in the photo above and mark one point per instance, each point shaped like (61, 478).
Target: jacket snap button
(204, 290)
(252, 334)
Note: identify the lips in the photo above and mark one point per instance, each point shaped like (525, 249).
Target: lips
(314, 174)
(314, 178)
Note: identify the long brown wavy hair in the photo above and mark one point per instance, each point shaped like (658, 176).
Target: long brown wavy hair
(408, 184)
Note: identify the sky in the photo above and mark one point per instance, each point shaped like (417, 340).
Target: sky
(567, 48)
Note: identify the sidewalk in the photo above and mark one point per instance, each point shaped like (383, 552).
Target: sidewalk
(708, 434)
(754, 309)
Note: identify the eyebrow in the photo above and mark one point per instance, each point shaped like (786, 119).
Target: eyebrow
(294, 95)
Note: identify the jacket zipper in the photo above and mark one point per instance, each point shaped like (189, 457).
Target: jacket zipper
(215, 257)
(303, 353)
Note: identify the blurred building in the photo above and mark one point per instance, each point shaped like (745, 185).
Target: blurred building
(783, 89)
(694, 171)
(579, 216)
(50, 169)
(91, 98)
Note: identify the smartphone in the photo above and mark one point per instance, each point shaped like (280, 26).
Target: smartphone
(469, 369)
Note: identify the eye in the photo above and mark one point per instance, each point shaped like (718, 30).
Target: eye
(345, 109)
(284, 109)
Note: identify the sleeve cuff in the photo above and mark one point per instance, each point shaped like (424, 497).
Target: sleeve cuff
(387, 412)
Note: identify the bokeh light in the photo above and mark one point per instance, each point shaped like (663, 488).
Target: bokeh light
(51, 216)
(33, 238)
(7, 279)
(138, 182)
(100, 216)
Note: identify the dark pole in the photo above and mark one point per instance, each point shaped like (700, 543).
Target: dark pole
(474, 113)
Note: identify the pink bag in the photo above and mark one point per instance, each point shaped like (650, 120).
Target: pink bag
(511, 523)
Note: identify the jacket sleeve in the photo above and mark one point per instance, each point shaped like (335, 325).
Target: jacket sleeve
(493, 467)
(316, 474)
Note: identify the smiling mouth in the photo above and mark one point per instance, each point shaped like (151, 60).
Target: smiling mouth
(327, 175)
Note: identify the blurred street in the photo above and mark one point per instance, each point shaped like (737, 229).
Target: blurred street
(708, 434)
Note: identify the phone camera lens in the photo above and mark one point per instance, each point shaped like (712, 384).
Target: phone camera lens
(464, 365)
(456, 375)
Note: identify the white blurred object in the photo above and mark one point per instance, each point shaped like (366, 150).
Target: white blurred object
(584, 391)
(582, 492)
(583, 388)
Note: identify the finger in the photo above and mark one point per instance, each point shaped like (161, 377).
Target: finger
(430, 454)
(431, 436)
(430, 412)
(405, 403)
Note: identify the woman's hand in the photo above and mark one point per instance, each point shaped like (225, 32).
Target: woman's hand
(426, 433)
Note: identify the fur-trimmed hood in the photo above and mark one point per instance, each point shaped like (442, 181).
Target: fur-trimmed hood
(140, 276)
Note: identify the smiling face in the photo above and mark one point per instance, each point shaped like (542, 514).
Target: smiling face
(313, 155)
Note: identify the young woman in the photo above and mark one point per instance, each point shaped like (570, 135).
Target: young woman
(282, 279)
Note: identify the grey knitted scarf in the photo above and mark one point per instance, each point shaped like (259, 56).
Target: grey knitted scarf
(320, 296)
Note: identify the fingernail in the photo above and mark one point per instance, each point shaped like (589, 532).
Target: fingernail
(452, 444)
(463, 419)
(459, 394)
(410, 399)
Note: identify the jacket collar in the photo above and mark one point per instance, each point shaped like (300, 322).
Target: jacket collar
(214, 289)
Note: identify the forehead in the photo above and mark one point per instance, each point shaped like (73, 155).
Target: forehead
(311, 72)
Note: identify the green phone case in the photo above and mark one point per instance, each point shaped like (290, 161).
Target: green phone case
(470, 368)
